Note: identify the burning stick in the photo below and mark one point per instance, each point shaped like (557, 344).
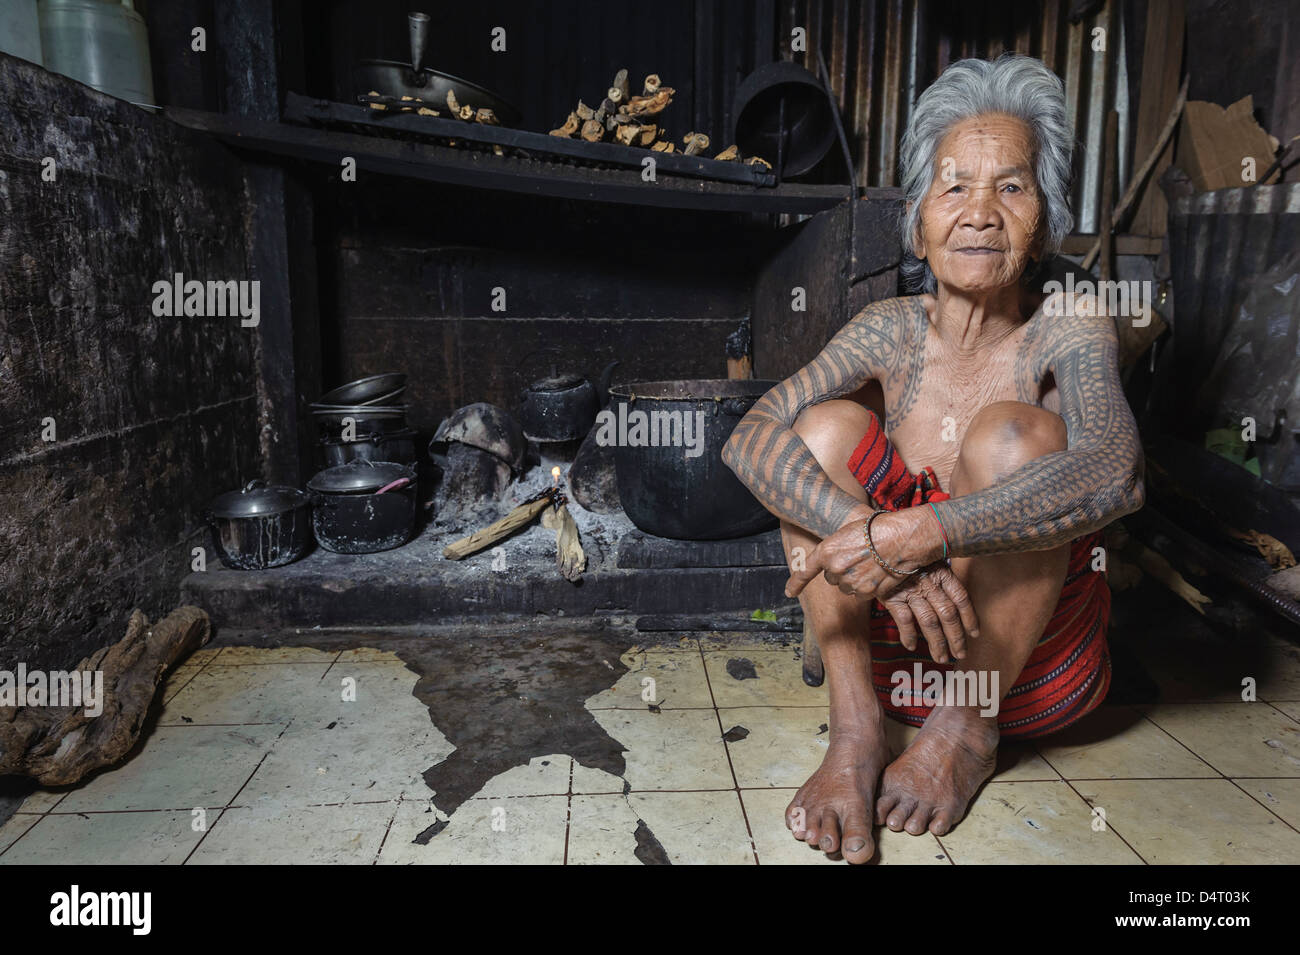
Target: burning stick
(569, 556)
(519, 517)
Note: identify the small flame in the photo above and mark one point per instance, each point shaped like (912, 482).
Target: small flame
(555, 475)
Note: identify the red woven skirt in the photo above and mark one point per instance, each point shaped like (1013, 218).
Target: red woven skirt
(1068, 672)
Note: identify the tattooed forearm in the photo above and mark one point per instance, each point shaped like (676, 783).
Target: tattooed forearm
(770, 458)
(1060, 496)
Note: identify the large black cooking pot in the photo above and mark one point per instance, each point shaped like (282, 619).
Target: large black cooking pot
(363, 507)
(674, 490)
(398, 447)
(260, 526)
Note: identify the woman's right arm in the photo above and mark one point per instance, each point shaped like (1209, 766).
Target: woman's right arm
(774, 463)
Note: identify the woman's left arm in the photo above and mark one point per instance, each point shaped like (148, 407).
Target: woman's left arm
(1058, 497)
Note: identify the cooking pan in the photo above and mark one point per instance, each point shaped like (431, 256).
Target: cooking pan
(395, 78)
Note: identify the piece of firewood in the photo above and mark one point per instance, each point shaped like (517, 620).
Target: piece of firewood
(647, 135)
(584, 111)
(627, 134)
(663, 146)
(650, 105)
(486, 117)
(730, 154)
(569, 555)
(60, 745)
(500, 530)
(467, 112)
(757, 161)
(593, 130)
(620, 84)
(652, 85)
(695, 143)
(570, 126)
(452, 103)
(425, 111)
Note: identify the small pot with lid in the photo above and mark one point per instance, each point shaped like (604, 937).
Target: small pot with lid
(363, 506)
(260, 526)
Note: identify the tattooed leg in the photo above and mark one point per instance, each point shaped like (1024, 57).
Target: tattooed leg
(833, 809)
(1015, 594)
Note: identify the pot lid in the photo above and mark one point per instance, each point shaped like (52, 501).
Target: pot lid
(359, 477)
(557, 383)
(258, 500)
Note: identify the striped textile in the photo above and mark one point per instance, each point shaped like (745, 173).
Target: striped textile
(1068, 672)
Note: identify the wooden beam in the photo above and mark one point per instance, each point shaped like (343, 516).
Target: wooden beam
(1162, 57)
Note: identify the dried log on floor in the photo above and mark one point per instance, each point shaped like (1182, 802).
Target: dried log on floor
(59, 745)
(521, 516)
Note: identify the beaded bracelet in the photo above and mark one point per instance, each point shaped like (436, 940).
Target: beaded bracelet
(866, 531)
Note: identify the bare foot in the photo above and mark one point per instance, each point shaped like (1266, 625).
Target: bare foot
(932, 783)
(832, 810)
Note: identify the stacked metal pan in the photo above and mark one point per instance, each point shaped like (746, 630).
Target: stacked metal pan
(365, 420)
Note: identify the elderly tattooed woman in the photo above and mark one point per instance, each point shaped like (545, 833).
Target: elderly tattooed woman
(942, 470)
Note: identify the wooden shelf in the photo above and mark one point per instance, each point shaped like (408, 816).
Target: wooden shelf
(479, 168)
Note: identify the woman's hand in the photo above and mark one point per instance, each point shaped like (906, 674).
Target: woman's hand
(900, 539)
(936, 603)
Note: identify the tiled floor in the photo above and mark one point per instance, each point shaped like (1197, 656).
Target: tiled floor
(257, 757)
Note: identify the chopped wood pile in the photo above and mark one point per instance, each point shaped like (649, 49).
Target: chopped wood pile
(630, 120)
(451, 109)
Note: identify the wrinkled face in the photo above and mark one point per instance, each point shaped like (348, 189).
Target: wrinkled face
(982, 219)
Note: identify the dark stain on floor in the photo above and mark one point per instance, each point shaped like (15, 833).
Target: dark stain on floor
(735, 734)
(741, 668)
(648, 848)
(505, 694)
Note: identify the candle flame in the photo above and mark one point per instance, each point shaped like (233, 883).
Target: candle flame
(555, 475)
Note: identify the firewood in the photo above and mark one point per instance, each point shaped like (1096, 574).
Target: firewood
(663, 146)
(627, 134)
(650, 105)
(569, 555)
(593, 130)
(487, 536)
(452, 103)
(730, 154)
(757, 161)
(425, 111)
(59, 745)
(569, 128)
(620, 84)
(584, 111)
(467, 112)
(647, 135)
(695, 143)
(652, 85)
(486, 117)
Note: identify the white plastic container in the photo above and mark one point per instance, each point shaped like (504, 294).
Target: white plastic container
(20, 30)
(101, 43)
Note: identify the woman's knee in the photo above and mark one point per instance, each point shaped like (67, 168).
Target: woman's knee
(1002, 438)
(831, 430)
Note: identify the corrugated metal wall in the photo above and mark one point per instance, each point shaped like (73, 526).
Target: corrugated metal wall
(881, 54)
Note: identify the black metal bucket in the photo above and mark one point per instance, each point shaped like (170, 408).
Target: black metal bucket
(671, 478)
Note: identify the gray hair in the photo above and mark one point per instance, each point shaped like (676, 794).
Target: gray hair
(1017, 85)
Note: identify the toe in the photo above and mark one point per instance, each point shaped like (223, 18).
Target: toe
(884, 805)
(813, 832)
(856, 843)
(919, 819)
(901, 812)
(830, 840)
(795, 819)
(941, 822)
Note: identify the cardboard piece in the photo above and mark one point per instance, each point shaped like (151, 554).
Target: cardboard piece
(1215, 142)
